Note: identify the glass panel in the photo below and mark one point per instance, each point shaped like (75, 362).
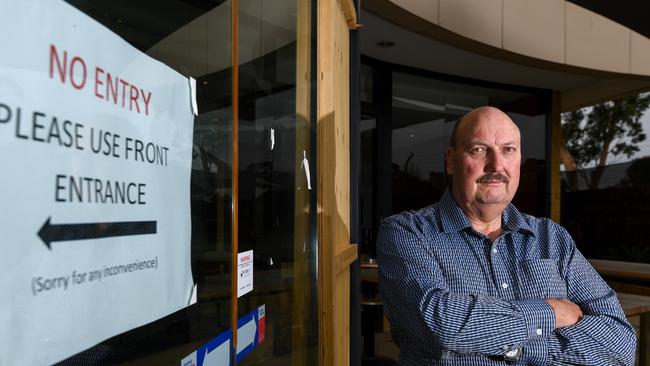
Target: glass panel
(419, 139)
(276, 201)
(606, 178)
(424, 112)
(528, 111)
(195, 40)
(368, 184)
(366, 84)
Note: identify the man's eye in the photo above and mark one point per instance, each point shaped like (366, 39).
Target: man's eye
(478, 150)
(509, 149)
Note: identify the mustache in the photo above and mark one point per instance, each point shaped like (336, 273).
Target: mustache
(492, 177)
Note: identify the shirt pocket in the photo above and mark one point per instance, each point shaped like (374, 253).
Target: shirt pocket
(541, 279)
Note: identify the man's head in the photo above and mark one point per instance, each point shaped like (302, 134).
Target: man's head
(483, 158)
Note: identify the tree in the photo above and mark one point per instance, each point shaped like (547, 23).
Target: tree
(638, 174)
(609, 129)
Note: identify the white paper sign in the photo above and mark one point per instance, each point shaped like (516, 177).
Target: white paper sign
(244, 273)
(95, 151)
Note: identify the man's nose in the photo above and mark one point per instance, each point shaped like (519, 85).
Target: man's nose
(495, 161)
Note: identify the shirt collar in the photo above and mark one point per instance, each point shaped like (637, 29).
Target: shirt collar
(514, 220)
(452, 218)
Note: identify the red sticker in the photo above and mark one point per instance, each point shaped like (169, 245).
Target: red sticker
(260, 330)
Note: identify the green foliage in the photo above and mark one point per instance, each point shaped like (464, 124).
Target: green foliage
(612, 128)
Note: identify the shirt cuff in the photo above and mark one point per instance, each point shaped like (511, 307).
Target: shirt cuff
(539, 319)
(538, 316)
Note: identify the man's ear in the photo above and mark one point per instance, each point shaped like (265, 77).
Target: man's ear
(449, 161)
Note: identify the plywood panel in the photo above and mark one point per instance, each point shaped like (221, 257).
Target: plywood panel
(333, 182)
(342, 318)
(349, 13)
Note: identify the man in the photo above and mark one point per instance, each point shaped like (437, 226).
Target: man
(472, 281)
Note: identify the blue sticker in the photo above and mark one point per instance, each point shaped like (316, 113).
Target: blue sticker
(246, 335)
(205, 350)
(217, 350)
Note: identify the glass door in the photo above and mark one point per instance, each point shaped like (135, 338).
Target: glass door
(277, 183)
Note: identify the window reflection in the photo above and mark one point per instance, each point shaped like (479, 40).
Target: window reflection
(424, 108)
(606, 178)
(424, 113)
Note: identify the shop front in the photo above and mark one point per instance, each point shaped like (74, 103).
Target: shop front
(161, 183)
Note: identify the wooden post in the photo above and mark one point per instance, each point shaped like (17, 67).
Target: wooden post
(335, 18)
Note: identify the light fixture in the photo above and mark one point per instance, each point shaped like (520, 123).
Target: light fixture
(385, 44)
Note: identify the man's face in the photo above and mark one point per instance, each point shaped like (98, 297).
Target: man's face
(485, 162)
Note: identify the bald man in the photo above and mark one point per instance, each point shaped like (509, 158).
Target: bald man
(472, 281)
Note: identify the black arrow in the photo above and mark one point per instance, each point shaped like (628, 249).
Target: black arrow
(67, 232)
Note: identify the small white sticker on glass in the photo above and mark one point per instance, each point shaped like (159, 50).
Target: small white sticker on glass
(195, 107)
(305, 166)
(244, 273)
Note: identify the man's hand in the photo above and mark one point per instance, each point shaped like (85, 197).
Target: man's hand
(566, 312)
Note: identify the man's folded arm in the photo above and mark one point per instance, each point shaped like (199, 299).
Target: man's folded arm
(417, 297)
(603, 336)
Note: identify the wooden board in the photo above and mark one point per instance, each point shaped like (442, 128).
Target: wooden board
(634, 304)
(335, 250)
(622, 270)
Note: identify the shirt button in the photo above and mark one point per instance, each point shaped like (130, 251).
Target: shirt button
(504, 285)
(494, 250)
(538, 331)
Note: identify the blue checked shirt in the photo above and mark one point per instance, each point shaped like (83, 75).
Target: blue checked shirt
(455, 298)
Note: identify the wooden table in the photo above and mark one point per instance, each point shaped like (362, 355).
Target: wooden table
(369, 275)
(634, 304)
(373, 312)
